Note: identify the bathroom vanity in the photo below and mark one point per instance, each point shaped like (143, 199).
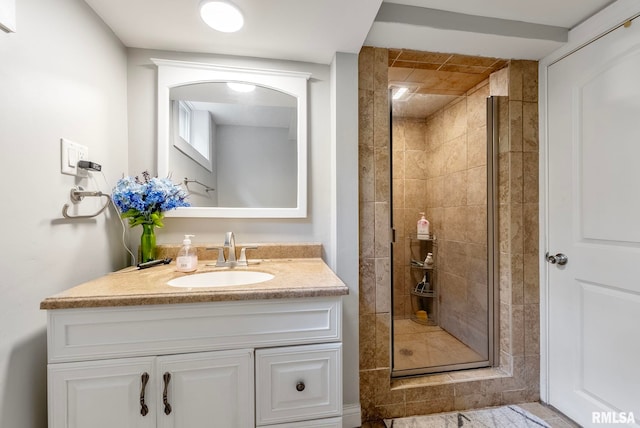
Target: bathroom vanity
(128, 350)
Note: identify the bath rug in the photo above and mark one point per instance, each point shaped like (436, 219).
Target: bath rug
(496, 417)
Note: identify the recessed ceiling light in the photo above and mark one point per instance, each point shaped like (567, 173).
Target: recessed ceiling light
(399, 93)
(241, 87)
(221, 15)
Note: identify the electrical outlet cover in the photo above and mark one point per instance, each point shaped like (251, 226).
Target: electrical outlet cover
(70, 154)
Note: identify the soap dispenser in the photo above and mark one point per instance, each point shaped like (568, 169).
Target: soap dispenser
(423, 228)
(187, 260)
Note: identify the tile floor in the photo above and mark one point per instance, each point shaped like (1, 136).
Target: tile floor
(417, 346)
(551, 416)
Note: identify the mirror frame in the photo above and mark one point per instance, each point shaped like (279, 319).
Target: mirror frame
(173, 73)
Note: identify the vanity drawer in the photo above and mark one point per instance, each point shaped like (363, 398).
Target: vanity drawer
(317, 423)
(298, 383)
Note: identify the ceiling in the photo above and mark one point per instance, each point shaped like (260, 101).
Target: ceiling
(434, 80)
(313, 30)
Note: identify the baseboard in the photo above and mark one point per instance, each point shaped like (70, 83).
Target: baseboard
(351, 416)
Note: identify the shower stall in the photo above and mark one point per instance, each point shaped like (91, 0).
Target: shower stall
(444, 144)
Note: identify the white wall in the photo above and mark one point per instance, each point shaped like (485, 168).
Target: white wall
(345, 226)
(63, 74)
(256, 167)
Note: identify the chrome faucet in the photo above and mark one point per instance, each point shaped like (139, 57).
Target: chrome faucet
(230, 243)
(231, 261)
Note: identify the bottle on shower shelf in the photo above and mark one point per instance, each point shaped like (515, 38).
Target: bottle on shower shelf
(428, 261)
(423, 227)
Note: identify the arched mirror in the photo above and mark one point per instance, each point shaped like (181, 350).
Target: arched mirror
(235, 137)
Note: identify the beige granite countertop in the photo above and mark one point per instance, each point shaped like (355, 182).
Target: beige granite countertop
(294, 278)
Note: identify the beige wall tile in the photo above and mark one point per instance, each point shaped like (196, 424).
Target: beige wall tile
(455, 154)
(515, 80)
(530, 127)
(398, 194)
(530, 177)
(367, 229)
(517, 330)
(367, 332)
(380, 70)
(383, 279)
(415, 135)
(530, 81)
(517, 278)
(381, 231)
(383, 340)
(516, 229)
(531, 279)
(476, 226)
(504, 260)
(435, 130)
(531, 232)
(454, 227)
(477, 107)
(381, 119)
(504, 180)
(499, 82)
(477, 147)
(455, 189)
(415, 164)
(367, 173)
(477, 186)
(515, 126)
(515, 177)
(415, 194)
(531, 330)
(382, 173)
(367, 286)
(503, 125)
(365, 69)
(397, 164)
(455, 117)
(365, 108)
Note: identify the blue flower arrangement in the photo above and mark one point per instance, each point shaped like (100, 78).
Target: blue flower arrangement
(144, 201)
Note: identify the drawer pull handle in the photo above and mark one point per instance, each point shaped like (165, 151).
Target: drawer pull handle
(300, 386)
(167, 407)
(143, 407)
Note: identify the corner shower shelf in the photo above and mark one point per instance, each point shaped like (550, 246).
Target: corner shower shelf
(430, 293)
(423, 300)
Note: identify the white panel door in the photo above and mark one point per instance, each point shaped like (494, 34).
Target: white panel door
(594, 219)
(206, 389)
(102, 394)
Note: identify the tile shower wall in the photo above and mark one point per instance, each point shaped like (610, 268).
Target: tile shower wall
(457, 206)
(517, 377)
(409, 180)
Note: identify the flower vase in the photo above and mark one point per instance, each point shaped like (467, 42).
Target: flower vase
(148, 242)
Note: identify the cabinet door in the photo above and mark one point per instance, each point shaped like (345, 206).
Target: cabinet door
(102, 394)
(207, 389)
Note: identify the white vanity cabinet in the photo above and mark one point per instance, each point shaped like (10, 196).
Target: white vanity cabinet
(273, 363)
(205, 389)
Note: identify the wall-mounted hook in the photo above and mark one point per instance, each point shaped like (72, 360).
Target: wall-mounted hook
(77, 194)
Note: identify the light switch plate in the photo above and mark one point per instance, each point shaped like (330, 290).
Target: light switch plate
(70, 154)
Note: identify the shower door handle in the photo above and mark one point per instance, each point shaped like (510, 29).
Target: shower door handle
(559, 259)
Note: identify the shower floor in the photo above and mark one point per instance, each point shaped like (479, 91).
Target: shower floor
(417, 346)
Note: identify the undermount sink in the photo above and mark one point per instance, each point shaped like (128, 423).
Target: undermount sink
(221, 279)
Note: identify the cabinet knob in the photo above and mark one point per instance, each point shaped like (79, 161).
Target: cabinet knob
(300, 386)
